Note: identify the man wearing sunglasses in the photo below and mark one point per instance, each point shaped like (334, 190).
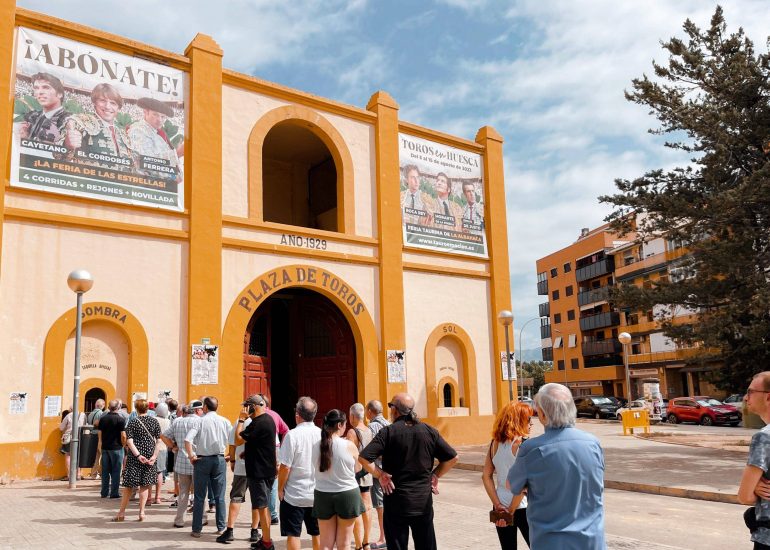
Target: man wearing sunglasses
(755, 489)
(408, 448)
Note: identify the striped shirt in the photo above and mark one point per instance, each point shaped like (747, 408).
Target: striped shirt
(177, 431)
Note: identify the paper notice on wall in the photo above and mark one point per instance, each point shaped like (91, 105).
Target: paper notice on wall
(205, 364)
(396, 366)
(18, 403)
(52, 405)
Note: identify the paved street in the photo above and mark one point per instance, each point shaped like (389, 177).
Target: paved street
(46, 515)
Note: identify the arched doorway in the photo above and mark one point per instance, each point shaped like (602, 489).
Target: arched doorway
(299, 343)
(92, 396)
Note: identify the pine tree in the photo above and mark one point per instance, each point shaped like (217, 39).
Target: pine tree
(712, 101)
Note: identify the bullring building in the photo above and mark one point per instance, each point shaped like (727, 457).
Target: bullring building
(242, 236)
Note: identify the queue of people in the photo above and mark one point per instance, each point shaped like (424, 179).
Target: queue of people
(326, 479)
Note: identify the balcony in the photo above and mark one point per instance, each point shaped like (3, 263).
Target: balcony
(542, 288)
(675, 355)
(601, 294)
(601, 347)
(600, 320)
(635, 265)
(547, 354)
(545, 331)
(545, 309)
(613, 360)
(602, 267)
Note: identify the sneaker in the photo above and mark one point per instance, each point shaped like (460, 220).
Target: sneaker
(255, 535)
(212, 509)
(174, 504)
(195, 534)
(226, 537)
(262, 546)
(274, 521)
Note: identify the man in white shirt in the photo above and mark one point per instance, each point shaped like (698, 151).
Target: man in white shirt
(210, 438)
(296, 483)
(174, 438)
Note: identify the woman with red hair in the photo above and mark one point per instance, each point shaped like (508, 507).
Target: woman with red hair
(510, 429)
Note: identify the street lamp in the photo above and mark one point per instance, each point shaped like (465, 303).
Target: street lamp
(80, 282)
(506, 319)
(521, 358)
(625, 339)
(563, 354)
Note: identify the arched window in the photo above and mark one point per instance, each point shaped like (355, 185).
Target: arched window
(447, 395)
(299, 178)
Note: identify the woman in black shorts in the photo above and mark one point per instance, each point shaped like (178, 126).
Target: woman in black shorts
(337, 498)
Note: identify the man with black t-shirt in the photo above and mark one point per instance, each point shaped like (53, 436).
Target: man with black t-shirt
(408, 448)
(259, 459)
(111, 426)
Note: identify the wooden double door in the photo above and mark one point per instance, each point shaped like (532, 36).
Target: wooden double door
(298, 343)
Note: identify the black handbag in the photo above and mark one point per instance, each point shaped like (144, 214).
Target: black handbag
(170, 456)
(751, 521)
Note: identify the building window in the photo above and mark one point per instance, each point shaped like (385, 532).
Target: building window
(555, 295)
(567, 267)
(541, 276)
(554, 272)
(447, 395)
(571, 315)
(572, 340)
(556, 318)
(569, 291)
(575, 363)
(299, 182)
(560, 364)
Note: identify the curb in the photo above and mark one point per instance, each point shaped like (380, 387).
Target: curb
(711, 496)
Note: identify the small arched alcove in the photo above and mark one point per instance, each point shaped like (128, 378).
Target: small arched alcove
(299, 178)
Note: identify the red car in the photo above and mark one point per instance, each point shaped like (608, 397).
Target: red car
(702, 410)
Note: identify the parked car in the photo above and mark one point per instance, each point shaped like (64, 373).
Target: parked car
(736, 400)
(595, 406)
(636, 404)
(619, 401)
(702, 410)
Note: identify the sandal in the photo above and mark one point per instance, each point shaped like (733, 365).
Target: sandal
(141, 517)
(117, 519)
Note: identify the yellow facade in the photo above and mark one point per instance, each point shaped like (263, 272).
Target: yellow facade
(165, 280)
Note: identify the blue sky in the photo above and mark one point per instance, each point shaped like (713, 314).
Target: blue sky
(549, 75)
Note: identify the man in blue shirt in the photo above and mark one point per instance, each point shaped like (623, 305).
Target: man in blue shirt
(563, 471)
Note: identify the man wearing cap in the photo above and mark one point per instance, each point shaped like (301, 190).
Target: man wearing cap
(260, 460)
(210, 437)
(149, 139)
(174, 438)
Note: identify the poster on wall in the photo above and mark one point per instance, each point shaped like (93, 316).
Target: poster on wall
(504, 366)
(205, 364)
(396, 366)
(18, 403)
(52, 405)
(442, 202)
(90, 122)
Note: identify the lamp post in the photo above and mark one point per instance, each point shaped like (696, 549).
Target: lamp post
(506, 319)
(563, 354)
(80, 282)
(625, 338)
(521, 358)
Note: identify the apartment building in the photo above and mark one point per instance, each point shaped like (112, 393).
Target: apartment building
(580, 325)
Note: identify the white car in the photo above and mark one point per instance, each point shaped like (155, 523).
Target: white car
(636, 405)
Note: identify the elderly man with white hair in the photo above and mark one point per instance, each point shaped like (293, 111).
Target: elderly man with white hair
(563, 472)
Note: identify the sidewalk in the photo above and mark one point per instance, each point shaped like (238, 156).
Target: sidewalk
(636, 464)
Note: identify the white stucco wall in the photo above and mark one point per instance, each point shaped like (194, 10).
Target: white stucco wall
(431, 300)
(143, 275)
(241, 109)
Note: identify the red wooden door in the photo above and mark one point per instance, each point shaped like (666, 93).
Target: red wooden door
(325, 354)
(256, 355)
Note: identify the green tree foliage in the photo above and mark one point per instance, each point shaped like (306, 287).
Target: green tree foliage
(535, 370)
(712, 102)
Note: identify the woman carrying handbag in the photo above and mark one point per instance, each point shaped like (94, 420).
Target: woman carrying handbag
(509, 511)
